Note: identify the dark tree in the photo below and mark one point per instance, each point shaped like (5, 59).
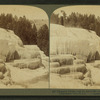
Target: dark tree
(43, 39)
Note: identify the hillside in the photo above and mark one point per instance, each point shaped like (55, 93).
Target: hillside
(76, 41)
(39, 23)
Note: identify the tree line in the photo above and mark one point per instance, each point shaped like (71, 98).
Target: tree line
(27, 31)
(89, 22)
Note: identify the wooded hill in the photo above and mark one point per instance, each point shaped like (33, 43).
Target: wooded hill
(89, 22)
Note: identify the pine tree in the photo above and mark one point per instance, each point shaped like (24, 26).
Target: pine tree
(43, 39)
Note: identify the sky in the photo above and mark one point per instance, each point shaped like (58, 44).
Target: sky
(30, 12)
(83, 9)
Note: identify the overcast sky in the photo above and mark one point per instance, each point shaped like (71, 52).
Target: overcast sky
(83, 9)
(30, 12)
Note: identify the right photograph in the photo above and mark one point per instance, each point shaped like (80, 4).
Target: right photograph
(75, 47)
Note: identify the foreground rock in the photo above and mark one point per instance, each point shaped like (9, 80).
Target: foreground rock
(62, 59)
(3, 69)
(63, 82)
(62, 64)
(54, 64)
(79, 61)
(78, 72)
(74, 75)
(95, 75)
(27, 63)
(28, 52)
(2, 66)
(20, 73)
(97, 64)
(69, 77)
(68, 69)
(25, 77)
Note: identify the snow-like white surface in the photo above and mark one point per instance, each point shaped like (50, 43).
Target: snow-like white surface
(10, 37)
(9, 42)
(64, 40)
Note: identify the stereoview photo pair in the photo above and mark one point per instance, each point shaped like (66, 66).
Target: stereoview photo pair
(63, 53)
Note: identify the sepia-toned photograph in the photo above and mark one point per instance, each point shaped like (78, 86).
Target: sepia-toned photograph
(75, 47)
(24, 47)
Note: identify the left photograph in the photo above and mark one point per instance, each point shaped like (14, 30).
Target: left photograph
(24, 47)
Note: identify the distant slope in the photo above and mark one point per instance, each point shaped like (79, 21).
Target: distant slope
(39, 23)
(77, 41)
